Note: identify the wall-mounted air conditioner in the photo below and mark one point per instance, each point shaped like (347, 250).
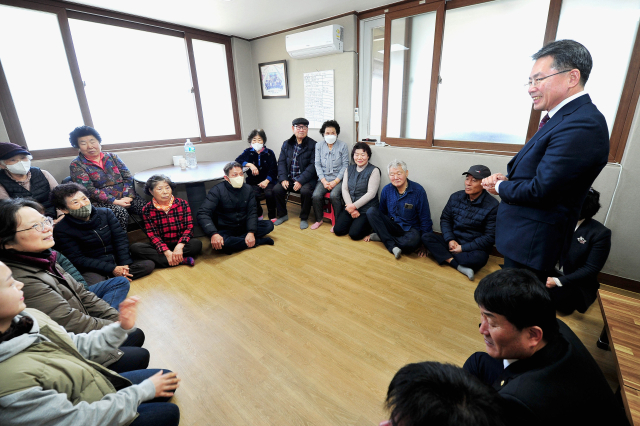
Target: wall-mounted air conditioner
(317, 42)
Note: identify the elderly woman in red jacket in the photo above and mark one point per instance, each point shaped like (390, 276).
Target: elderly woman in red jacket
(109, 182)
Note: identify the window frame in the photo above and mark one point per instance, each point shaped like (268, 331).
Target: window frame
(622, 122)
(65, 12)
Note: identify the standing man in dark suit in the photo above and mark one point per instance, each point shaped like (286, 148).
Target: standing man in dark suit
(548, 179)
(542, 371)
(296, 172)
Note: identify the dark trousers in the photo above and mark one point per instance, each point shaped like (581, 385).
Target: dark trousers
(305, 191)
(157, 412)
(148, 251)
(565, 299)
(357, 228)
(542, 275)
(335, 197)
(268, 196)
(391, 234)
(484, 367)
(439, 248)
(234, 239)
(134, 358)
(139, 269)
(112, 291)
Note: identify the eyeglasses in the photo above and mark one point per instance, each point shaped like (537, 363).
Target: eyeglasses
(40, 226)
(537, 81)
(300, 127)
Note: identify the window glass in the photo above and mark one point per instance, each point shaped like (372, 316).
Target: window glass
(410, 59)
(37, 71)
(215, 93)
(137, 83)
(486, 61)
(610, 46)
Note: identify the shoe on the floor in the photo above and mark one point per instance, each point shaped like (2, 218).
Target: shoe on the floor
(316, 225)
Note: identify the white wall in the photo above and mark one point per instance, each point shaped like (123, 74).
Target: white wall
(4, 137)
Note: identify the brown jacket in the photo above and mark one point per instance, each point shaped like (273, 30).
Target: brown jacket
(66, 301)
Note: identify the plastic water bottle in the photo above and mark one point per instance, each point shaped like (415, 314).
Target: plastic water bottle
(190, 154)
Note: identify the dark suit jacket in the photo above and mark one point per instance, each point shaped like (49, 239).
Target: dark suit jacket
(587, 255)
(548, 182)
(561, 385)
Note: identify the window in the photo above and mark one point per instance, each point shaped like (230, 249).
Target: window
(454, 71)
(370, 102)
(138, 84)
(40, 82)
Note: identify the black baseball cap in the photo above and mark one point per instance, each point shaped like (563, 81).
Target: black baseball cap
(478, 172)
(300, 120)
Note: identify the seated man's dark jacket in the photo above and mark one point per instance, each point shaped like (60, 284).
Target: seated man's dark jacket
(265, 162)
(472, 224)
(408, 210)
(306, 159)
(229, 208)
(559, 385)
(97, 245)
(587, 255)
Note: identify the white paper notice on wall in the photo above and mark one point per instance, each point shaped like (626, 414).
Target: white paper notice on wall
(318, 97)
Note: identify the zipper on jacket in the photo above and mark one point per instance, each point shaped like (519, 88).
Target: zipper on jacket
(105, 247)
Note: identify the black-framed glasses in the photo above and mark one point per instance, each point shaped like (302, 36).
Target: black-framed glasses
(301, 126)
(537, 81)
(40, 226)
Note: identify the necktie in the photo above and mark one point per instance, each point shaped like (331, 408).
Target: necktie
(544, 121)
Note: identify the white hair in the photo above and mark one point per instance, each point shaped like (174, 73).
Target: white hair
(398, 164)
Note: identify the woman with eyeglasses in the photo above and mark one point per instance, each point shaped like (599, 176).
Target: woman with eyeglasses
(360, 192)
(50, 376)
(19, 180)
(107, 179)
(26, 239)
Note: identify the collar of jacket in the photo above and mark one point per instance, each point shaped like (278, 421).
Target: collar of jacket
(479, 199)
(293, 140)
(45, 259)
(553, 351)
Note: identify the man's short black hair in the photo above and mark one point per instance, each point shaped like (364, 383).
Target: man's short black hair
(519, 296)
(435, 394)
(230, 166)
(330, 123)
(61, 192)
(81, 131)
(568, 55)
(591, 204)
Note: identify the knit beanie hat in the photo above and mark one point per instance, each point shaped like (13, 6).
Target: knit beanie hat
(8, 150)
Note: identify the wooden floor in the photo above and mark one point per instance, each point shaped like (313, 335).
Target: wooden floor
(311, 330)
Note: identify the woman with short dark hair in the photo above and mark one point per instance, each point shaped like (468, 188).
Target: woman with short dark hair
(109, 182)
(576, 287)
(360, 192)
(331, 161)
(263, 170)
(169, 225)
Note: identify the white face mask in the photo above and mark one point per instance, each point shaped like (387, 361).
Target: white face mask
(330, 139)
(237, 181)
(257, 146)
(19, 168)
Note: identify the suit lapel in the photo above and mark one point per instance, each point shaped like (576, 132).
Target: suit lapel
(553, 122)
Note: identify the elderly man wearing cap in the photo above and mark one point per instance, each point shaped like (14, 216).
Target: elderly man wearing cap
(296, 172)
(20, 180)
(468, 225)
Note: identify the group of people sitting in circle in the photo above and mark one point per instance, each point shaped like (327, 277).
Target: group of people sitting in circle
(65, 254)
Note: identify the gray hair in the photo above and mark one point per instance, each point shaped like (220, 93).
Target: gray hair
(398, 164)
(229, 166)
(567, 55)
(154, 180)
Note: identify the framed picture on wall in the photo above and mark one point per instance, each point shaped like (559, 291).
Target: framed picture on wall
(273, 79)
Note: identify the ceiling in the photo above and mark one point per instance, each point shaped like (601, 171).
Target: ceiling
(242, 18)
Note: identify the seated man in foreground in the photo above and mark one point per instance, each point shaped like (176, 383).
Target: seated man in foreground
(228, 215)
(538, 365)
(430, 393)
(403, 215)
(468, 225)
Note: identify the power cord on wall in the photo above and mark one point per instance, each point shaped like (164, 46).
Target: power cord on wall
(606, 218)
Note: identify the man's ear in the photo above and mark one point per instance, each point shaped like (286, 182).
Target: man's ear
(574, 77)
(534, 335)
(227, 178)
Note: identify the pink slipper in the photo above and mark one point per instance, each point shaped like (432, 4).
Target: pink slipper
(316, 225)
(332, 229)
